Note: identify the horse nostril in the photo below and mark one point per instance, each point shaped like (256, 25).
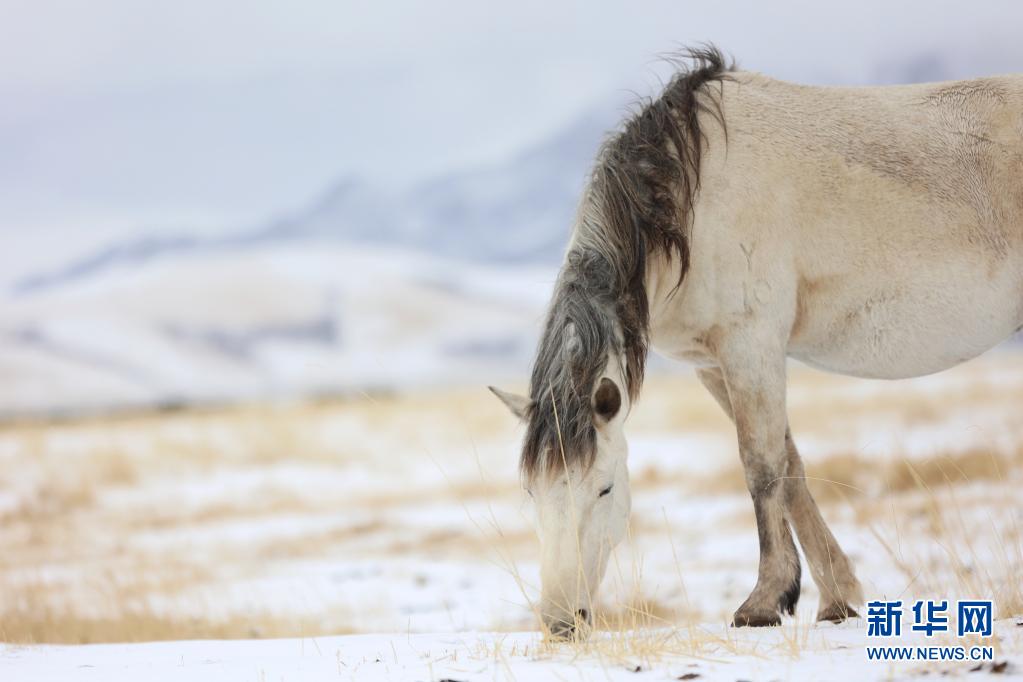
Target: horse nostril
(563, 630)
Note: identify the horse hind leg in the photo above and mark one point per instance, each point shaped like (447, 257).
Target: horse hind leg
(830, 568)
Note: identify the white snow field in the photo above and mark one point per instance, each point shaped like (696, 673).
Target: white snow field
(303, 530)
(798, 652)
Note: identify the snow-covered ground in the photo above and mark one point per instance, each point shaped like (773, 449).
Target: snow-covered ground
(325, 523)
(797, 652)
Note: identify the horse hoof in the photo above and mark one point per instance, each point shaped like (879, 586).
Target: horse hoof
(836, 613)
(755, 619)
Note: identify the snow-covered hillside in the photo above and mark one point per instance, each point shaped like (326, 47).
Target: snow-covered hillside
(277, 319)
(366, 287)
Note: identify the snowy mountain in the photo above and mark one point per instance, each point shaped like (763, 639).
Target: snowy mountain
(266, 321)
(519, 211)
(366, 287)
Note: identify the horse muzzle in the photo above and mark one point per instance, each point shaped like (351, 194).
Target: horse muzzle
(564, 629)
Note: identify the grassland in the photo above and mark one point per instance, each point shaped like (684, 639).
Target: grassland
(405, 513)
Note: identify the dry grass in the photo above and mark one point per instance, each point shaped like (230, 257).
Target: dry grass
(105, 522)
(43, 624)
(103, 533)
(835, 477)
(845, 476)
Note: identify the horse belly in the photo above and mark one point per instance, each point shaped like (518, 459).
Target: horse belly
(906, 329)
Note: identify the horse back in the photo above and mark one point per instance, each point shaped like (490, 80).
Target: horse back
(883, 226)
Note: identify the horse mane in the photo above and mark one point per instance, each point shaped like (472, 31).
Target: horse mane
(638, 203)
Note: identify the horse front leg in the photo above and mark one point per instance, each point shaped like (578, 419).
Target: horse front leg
(830, 568)
(753, 372)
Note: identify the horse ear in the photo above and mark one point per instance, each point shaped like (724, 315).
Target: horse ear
(607, 400)
(518, 404)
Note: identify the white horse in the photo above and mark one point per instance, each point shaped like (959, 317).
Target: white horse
(736, 221)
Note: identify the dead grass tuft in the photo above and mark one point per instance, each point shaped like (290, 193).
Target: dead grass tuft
(838, 477)
(52, 626)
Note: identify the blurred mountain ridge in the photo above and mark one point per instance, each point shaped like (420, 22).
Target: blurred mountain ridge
(516, 212)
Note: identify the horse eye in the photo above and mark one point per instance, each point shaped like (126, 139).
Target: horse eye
(606, 490)
(529, 492)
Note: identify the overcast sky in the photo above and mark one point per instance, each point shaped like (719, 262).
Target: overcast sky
(130, 115)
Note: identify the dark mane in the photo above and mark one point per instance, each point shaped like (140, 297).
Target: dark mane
(638, 203)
